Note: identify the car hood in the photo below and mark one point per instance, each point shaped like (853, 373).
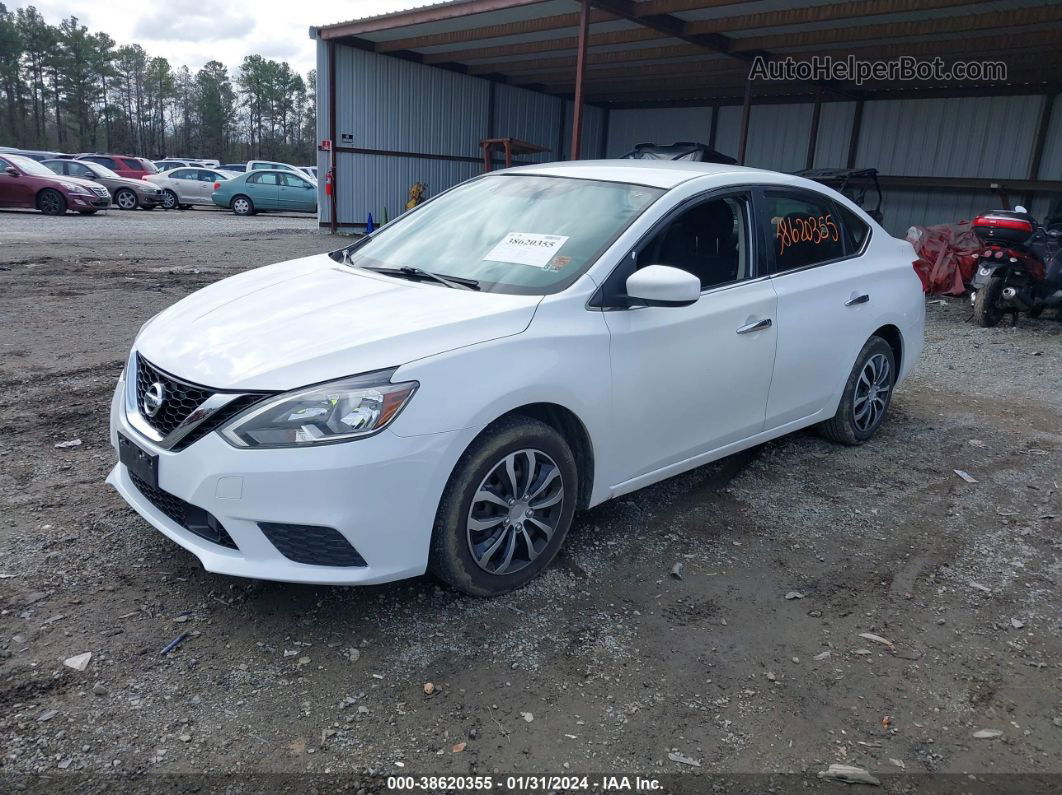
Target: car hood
(85, 183)
(129, 182)
(312, 319)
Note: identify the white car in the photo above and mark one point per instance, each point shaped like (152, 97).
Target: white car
(443, 394)
(183, 187)
(256, 165)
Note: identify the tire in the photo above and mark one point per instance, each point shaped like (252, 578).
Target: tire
(481, 547)
(242, 205)
(866, 397)
(51, 202)
(169, 200)
(1036, 311)
(987, 308)
(126, 199)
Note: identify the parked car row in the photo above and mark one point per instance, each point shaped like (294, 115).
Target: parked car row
(55, 183)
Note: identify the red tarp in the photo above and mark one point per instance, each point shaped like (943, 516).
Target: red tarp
(947, 256)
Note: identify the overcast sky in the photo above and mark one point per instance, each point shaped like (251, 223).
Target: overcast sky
(190, 34)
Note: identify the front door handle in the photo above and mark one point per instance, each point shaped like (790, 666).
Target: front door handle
(759, 325)
(859, 299)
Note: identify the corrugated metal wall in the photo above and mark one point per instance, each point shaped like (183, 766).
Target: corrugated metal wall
(407, 109)
(656, 125)
(962, 137)
(386, 103)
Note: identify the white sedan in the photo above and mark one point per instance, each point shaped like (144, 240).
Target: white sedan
(445, 393)
(183, 187)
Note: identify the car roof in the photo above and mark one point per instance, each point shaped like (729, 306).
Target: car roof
(654, 173)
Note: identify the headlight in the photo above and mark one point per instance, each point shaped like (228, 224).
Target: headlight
(324, 414)
(78, 189)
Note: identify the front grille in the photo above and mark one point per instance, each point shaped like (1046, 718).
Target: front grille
(100, 191)
(217, 419)
(179, 398)
(317, 546)
(190, 517)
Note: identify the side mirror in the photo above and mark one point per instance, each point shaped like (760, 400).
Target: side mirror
(11, 171)
(662, 285)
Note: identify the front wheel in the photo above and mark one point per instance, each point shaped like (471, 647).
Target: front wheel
(866, 397)
(126, 199)
(242, 205)
(506, 509)
(988, 304)
(51, 202)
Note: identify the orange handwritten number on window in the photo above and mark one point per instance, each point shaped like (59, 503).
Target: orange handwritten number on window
(812, 229)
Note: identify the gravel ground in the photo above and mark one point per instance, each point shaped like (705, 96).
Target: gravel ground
(755, 661)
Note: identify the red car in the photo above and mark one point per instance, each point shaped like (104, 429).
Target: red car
(123, 165)
(26, 183)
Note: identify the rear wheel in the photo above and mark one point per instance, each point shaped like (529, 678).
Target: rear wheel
(506, 509)
(242, 205)
(866, 397)
(988, 305)
(126, 199)
(51, 202)
(169, 200)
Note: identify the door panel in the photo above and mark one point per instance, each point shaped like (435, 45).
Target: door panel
(823, 317)
(685, 381)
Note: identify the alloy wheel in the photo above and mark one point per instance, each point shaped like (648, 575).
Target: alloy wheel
(872, 392)
(169, 200)
(126, 200)
(515, 511)
(241, 206)
(51, 203)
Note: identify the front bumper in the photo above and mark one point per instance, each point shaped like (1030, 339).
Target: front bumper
(381, 493)
(79, 202)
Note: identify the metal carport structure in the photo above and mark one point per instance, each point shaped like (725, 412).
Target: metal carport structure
(406, 97)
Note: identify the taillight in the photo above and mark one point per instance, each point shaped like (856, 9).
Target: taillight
(217, 185)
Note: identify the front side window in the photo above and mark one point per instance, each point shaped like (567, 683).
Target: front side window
(293, 181)
(804, 230)
(79, 170)
(708, 240)
(511, 233)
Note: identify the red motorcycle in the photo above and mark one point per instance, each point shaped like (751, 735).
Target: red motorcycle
(1020, 269)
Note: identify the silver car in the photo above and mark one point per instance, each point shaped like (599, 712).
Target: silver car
(183, 187)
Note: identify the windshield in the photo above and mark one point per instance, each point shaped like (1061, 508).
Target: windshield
(30, 166)
(512, 233)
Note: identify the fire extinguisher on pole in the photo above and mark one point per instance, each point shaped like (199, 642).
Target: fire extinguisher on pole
(328, 183)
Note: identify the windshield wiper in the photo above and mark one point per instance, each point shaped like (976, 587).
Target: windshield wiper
(456, 282)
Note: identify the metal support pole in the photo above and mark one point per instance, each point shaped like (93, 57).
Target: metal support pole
(745, 108)
(853, 144)
(580, 70)
(333, 222)
(813, 136)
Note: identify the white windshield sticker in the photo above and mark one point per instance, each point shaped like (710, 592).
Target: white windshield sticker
(526, 248)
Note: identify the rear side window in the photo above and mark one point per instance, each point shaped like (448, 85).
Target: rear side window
(803, 231)
(854, 228)
(132, 165)
(103, 161)
(184, 173)
(263, 179)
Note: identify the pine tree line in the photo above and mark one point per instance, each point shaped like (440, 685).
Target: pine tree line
(63, 88)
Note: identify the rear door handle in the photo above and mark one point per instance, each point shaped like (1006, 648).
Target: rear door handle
(759, 325)
(859, 299)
